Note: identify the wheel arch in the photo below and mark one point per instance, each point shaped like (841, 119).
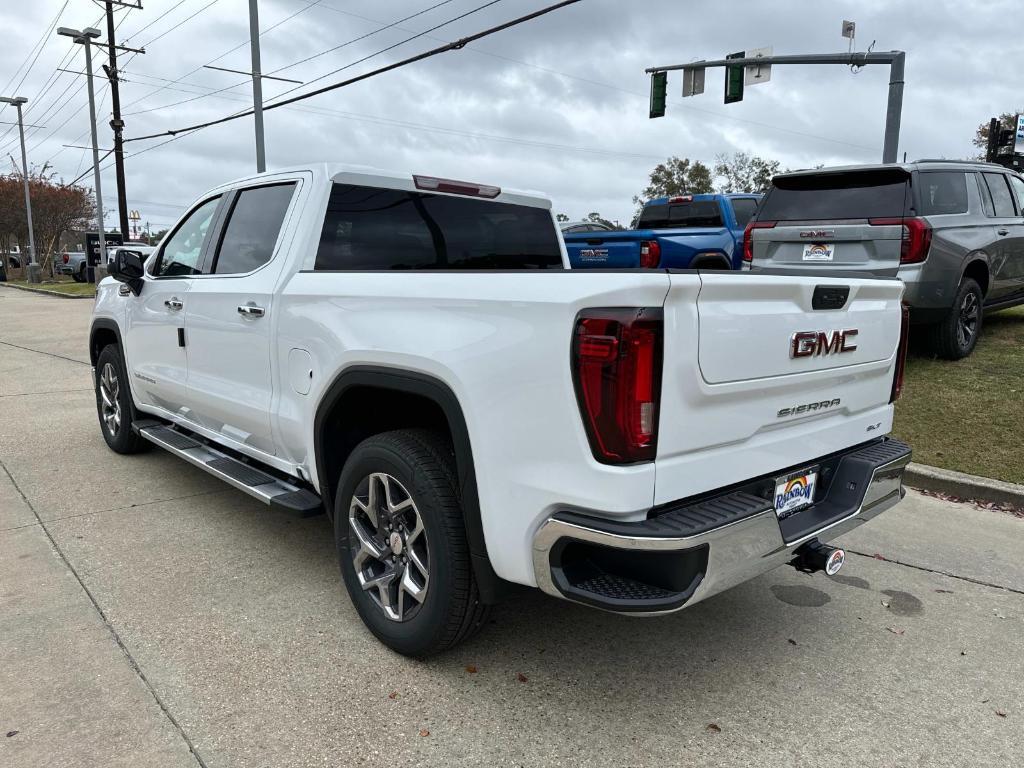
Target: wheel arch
(358, 386)
(976, 267)
(104, 331)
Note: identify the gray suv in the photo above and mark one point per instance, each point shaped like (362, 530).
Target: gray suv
(952, 231)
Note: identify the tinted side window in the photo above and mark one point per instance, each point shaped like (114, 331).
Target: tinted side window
(942, 192)
(986, 198)
(744, 208)
(367, 228)
(252, 229)
(850, 195)
(180, 256)
(1018, 186)
(1001, 198)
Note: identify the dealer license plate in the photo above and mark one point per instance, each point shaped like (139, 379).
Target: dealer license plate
(819, 251)
(794, 492)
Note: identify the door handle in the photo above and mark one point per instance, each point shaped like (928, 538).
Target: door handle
(251, 310)
(1002, 232)
(173, 303)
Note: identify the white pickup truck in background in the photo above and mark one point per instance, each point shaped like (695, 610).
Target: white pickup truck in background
(413, 356)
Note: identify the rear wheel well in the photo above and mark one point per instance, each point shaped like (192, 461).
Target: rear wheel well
(363, 411)
(978, 271)
(719, 261)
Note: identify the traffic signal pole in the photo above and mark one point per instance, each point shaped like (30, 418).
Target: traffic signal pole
(895, 59)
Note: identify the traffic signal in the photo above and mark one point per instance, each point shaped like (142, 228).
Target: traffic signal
(659, 93)
(734, 80)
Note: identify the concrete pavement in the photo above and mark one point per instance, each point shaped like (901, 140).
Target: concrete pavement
(152, 616)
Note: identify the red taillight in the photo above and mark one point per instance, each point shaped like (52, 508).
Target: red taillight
(917, 237)
(901, 357)
(650, 254)
(616, 359)
(748, 237)
(65, 258)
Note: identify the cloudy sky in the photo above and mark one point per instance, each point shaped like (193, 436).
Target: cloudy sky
(558, 104)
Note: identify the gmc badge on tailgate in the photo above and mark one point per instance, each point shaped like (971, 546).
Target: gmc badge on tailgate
(812, 343)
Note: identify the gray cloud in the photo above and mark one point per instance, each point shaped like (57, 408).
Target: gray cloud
(558, 105)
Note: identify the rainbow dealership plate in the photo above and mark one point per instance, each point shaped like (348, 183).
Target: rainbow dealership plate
(794, 492)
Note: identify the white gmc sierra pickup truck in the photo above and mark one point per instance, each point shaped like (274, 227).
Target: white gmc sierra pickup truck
(413, 356)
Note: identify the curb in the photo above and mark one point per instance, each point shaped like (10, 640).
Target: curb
(44, 292)
(963, 485)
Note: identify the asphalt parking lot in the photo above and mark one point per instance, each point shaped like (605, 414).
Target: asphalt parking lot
(151, 616)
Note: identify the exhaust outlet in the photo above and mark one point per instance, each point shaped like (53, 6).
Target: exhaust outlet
(815, 556)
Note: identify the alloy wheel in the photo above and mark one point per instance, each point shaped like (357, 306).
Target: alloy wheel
(967, 321)
(389, 546)
(110, 388)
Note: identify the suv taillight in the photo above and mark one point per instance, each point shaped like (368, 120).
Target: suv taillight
(917, 237)
(616, 359)
(65, 257)
(650, 254)
(748, 238)
(901, 357)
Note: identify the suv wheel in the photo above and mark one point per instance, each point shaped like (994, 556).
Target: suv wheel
(114, 403)
(954, 337)
(401, 543)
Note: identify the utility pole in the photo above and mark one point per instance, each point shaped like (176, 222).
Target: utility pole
(85, 37)
(895, 59)
(257, 84)
(35, 272)
(116, 123)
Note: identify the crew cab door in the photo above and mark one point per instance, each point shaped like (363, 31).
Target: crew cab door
(229, 324)
(155, 319)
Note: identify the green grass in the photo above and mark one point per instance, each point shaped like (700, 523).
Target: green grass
(969, 415)
(60, 285)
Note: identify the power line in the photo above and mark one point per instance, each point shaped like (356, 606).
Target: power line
(379, 71)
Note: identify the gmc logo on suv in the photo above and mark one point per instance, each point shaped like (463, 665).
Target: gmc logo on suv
(812, 343)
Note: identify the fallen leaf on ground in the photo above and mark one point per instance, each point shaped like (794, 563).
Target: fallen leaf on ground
(944, 591)
(471, 668)
(521, 677)
(714, 728)
(424, 732)
(15, 733)
(878, 556)
(393, 695)
(1000, 713)
(985, 701)
(896, 631)
(793, 642)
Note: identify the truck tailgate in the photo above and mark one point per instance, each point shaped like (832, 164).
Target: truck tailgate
(603, 250)
(744, 405)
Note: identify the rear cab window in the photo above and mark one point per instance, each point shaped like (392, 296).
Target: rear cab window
(854, 195)
(743, 208)
(688, 213)
(372, 228)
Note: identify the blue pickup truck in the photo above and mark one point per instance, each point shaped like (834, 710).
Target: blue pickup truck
(681, 232)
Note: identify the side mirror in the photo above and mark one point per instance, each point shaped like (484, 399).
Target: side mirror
(128, 269)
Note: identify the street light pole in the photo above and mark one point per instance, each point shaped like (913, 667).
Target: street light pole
(35, 272)
(85, 38)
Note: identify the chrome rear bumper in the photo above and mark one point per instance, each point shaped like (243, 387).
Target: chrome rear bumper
(744, 538)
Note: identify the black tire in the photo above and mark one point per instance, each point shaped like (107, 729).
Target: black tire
(79, 276)
(114, 403)
(423, 465)
(955, 336)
